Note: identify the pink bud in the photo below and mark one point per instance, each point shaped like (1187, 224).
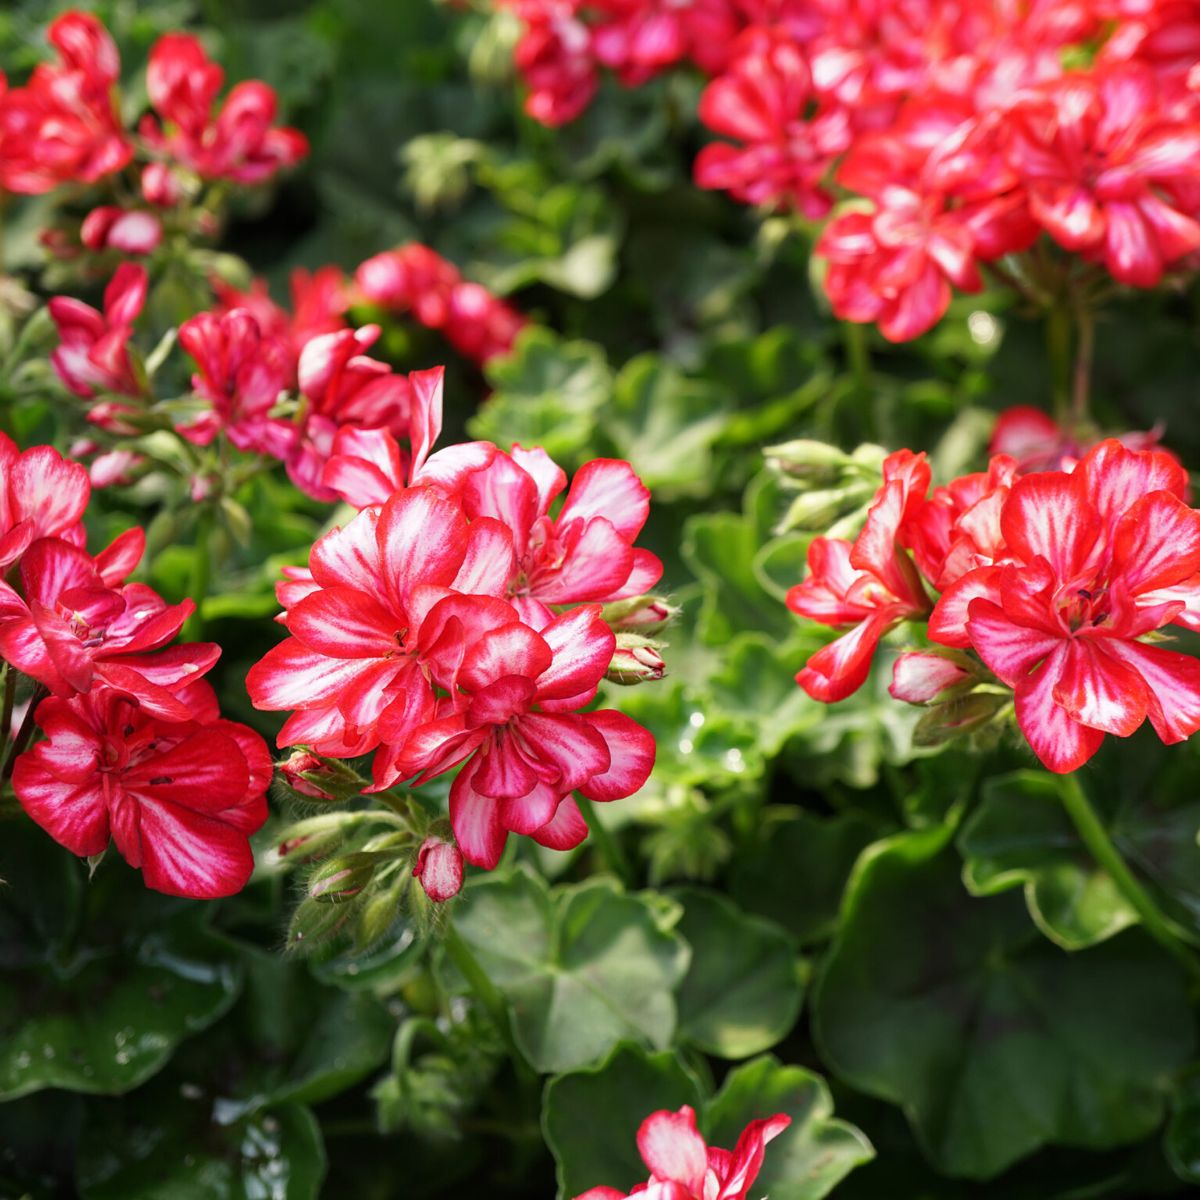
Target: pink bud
(111, 228)
(299, 764)
(634, 663)
(439, 868)
(160, 186)
(920, 677)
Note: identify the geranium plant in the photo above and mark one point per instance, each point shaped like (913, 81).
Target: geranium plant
(598, 598)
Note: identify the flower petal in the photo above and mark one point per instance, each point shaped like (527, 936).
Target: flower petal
(631, 751)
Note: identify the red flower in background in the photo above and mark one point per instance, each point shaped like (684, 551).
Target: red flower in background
(241, 142)
(683, 1167)
(1095, 560)
(62, 126)
(179, 799)
(131, 231)
(870, 584)
(1107, 173)
(93, 354)
(417, 280)
(763, 101)
(241, 377)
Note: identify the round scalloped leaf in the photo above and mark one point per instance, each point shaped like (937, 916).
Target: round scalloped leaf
(582, 969)
(1019, 836)
(994, 1041)
(591, 1117)
(108, 1024)
(743, 989)
(163, 1144)
(814, 1154)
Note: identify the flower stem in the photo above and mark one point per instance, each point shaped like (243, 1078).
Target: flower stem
(25, 734)
(609, 848)
(1096, 838)
(9, 675)
(1058, 348)
(858, 358)
(487, 994)
(1085, 345)
(201, 575)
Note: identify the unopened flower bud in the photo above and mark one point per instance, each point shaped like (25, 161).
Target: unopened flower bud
(161, 186)
(439, 868)
(955, 717)
(922, 676)
(641, 614)
(342, 878)
(635, 660)
(131, 231)
(317, 836)
(318, 778)
(805, 458)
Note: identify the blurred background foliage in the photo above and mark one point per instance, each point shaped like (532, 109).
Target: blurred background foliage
(909, 913)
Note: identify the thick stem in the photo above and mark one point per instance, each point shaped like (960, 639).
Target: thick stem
(9, 676)
(201, 576)
(487, 994)
(1085, 345)
(858, 358)
(25, 734)
(1095, 837)
(609, 848)
(1058, 349)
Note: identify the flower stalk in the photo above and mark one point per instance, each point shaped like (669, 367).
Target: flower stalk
(1096, 838)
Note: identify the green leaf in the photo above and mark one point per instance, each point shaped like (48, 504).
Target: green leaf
(721, 549)
(995, 1041)
(547, 393)
(796, 867)
(665, 424)
(591, 1117)
(1182, 1142)
(294, 1040)
(582, 968)
(108, 1023)
(743, 989)
(165, 1143)
(1019, 836)
(813, 1155)
(757, 685)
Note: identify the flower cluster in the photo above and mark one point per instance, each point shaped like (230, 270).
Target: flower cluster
(276, 384)
(64, 127)
(683, 1167)
(418, 281)
(456, 622)
(1059, 585)
(136, 749)
(955, 126)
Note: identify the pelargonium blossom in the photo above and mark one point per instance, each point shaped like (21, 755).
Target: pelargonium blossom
(241, 142)
(93, 350)
(62, 126)
(441, 629)
(179, 798)
(1061, 583)
(683, 1167)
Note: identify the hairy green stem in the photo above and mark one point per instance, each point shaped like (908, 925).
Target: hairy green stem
(9, 675)
(1100, 845)
(201, 575)
(609, 848)
(487, 994)
(858, 358)
(1085, 345)
(25, 734)
(1058, 349)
